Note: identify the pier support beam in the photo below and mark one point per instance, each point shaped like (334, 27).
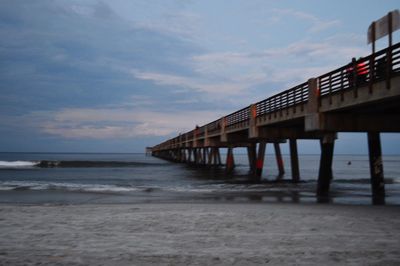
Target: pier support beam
(279, 160)
(183, 155)
(195, 156)
(230, 161)
(187, 156)
(199, 156)
(204, 158)
(376, 168)
(189, 160)
(210, 157)
(325, 166)
(294, 160)
(260, 160)
(252, 154)
(217, 157)
(213, 157)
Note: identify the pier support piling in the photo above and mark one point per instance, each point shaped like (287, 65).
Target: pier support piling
(230, 161)
(325, 166)
(213, 156)
(183, 155)
(260, 160)
(376, 168)
(204, 158)
(195, 156)
(294, 160)
(190, 155)
(200, 156)
(279, 160)
(252, 154)
(210, 157)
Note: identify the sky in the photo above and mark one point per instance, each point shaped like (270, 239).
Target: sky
(117, 76)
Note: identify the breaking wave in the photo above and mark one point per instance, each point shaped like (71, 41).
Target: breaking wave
(100, 188)
(59, 186)
(17, 164)
(72, 164)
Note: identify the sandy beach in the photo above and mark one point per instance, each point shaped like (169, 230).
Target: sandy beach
(199, 234)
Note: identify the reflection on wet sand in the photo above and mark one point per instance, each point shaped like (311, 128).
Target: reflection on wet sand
(277, 189)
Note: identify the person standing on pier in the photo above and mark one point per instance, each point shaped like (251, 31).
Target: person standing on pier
(357, 76)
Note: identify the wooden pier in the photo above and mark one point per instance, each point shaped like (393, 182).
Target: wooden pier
(339, 101)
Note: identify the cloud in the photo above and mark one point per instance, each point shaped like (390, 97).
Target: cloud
(78, 53)
(217, 88)
(285, 12)
(180, 24)
(86, 123)
(317, 24)
(324, 25)
(230, 74)
(330, 49)
(295, 62)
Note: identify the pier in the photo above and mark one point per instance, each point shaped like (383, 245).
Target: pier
(343, 100)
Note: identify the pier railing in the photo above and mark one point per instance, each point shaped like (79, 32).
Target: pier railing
(285, 99)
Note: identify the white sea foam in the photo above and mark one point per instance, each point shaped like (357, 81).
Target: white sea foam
(76, 187)
(90, 187)
(12, 185)
(188, 189)
(17, 164)
(15, 185)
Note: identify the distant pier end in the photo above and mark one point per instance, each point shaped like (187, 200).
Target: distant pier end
(149, 151)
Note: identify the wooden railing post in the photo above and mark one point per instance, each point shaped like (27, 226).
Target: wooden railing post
(355, 77)
(389, 67)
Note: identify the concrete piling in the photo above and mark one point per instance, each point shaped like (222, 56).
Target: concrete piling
(279, 160)
(260, 160)
(294, 160)
(325, 166)
(252, 154)
(230, 161)
(376, 168)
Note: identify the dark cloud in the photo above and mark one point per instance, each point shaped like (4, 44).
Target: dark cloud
(103, 11)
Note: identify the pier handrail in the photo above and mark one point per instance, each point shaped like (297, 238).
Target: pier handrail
(285, 99)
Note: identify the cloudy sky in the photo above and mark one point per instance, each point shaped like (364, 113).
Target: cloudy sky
(116, 76)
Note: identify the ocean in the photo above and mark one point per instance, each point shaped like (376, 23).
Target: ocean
(77, 178)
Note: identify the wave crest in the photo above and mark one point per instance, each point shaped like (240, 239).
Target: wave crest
(73, 164)
(17, 164)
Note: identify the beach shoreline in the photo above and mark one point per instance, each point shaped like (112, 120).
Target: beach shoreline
(199, 234)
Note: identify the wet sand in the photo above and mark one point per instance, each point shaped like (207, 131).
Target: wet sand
(199, 234)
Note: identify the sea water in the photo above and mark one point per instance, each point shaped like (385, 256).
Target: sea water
(74, 178)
